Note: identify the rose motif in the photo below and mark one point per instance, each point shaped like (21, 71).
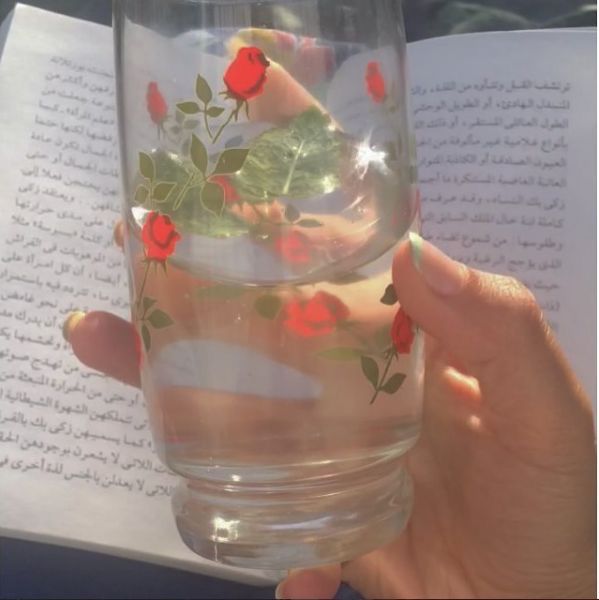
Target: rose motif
(159, 237)
(157, 106)
(402, 332)
(246, 75)
(294, 247)
(315, 317)
(375, 83)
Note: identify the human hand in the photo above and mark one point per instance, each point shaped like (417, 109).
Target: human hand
(108, 344)
(505, 470)
(504, 473)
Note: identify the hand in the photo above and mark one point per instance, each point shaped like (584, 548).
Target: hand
(505, 471)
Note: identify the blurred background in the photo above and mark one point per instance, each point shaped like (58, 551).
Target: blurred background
(424, 18)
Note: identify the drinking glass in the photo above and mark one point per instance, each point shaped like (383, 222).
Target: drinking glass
(269, 175)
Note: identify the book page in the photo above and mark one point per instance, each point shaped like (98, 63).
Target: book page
(76, 461)
(505, 126)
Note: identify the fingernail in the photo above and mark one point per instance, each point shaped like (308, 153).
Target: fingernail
(442, 274)
(279, 592)
(118, 234)
(416, 248)
(72, 320)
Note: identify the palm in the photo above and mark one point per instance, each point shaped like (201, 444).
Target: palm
(482, 507)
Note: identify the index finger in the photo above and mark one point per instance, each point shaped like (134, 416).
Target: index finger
(106, 343)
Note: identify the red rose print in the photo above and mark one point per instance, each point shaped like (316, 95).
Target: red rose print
(375, 83)
(246, 75)
(294, 247)
(317, 316)
(402, 332)
(157, 106)
(231, 195)
(159, 236)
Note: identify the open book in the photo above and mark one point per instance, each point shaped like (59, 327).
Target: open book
(505, 127)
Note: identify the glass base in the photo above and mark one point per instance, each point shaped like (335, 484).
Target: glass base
(297, 525)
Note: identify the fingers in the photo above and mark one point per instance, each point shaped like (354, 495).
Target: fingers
(105, 343)
(318, 583)
(493, 326)
(282, 99)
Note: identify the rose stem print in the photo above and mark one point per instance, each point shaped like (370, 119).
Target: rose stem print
(245, 79)
(402, 335)
(157, 106)
(321, 315)
(159, 237)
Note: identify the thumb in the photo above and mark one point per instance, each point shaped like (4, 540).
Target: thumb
(492, 326)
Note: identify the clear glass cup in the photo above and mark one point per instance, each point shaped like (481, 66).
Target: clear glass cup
(269, 175)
